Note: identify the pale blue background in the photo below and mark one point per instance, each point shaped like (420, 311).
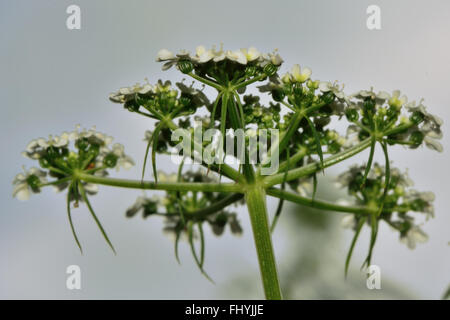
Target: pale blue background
(52, 78)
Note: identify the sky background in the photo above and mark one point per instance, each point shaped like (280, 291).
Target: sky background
(52, 78)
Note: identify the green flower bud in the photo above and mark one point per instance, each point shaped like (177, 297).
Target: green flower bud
(278, 95)
(392, 112)
(369, 104)
(185, 100)
(416, 117)
(33, 181)
(44, 163)
(82, 144)
(250, 71)
(416, 138)
(270, 69)
(352, 114)
(185, 66)
(328, 97)
(53, 152)
(298, 89)
(131, 106)
(110, 160)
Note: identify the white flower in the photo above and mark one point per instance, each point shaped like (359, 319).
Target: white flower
(273, 58)
(431, 126)
(426, 198)
(23, 183)
(333, 87)
(305, 187)
(203, 55)
(129, 93)
(413, 236)
(37, 147)
(251, 53)
(122, 159)
(299, 75)
(397, 101)
(379, 97)
(348, 222)
(236, 56)
(163, 177)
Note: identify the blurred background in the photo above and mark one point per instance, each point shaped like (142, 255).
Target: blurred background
(52, 78)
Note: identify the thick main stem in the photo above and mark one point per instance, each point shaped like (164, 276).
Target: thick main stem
(256, 202)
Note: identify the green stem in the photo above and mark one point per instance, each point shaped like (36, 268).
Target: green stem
(289, 196)
(206, 81)
(314, 167)
(174, 186)
(250, 81)
(256, 203)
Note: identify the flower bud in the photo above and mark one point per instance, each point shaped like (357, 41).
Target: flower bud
(270, 69)
(416, 117)
(278, 95)
(110, 160)
(416, 138)
(250, 71)
(185, 66)
(352, 114)
(33, 182)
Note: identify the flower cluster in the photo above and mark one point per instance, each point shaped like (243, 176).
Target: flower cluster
(92, 152)
(180, 207)
(220, 65)
(398, 204)
(161, 100)
(183, 210)
(391, 116)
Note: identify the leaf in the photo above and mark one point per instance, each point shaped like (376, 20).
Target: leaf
(155, 141)
(314, 187)
(180, 204)
(69, 215)
(387, 177)
(85, 198)
(352, 246)
(241, 109)
(317, 140)
(369, 162)
(202, 244)
(373, 238)
(177, 239)
(146, 155)
(194, 252)
(213, 113)
(281, 202)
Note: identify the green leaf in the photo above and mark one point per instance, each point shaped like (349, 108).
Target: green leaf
(85, 198)
(352, 246)
(194, 252)
(387, 177)
(317, 140)
(69, 215)
(373, 238)
(213, 113)
(314, 187)
(202, 244)
(177, 240)
(155, 141)
(281, 202)
(146, 156)
(180, 204)
(369, 162)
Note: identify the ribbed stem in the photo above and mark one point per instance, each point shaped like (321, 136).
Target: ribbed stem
(256, 203)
